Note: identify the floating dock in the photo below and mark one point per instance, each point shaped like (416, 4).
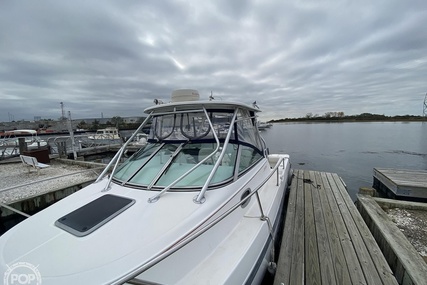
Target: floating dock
(325, 240)
(401, 184)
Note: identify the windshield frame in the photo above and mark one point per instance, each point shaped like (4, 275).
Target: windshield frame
(193, 128)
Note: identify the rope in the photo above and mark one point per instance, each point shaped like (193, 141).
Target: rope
(309, 181)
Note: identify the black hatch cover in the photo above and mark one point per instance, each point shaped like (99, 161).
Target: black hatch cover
(93, 215)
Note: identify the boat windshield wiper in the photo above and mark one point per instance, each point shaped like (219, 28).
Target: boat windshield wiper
(167, 165)
(148, 160)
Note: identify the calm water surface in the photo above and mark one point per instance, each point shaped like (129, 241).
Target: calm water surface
(351, 150)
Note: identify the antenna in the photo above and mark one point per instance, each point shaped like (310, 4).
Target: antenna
(425, 106)
(157, 101)
(62, 111)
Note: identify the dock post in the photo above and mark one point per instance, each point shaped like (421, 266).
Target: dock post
(368, 191)
(62, 149)
(22, 145)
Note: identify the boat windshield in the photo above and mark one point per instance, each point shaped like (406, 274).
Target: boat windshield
(189, 126)
(155, 157)
(182, 151)
(195, 126)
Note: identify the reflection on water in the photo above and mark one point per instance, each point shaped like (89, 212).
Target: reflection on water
(351, 149)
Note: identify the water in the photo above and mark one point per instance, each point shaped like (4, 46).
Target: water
(351, 150)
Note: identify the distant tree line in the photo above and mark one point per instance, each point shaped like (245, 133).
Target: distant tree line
(341, 117)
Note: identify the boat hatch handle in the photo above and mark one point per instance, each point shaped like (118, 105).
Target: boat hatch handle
(138, 281)
(244, 195)
(116, 158)
(194, 234)
(200, 198)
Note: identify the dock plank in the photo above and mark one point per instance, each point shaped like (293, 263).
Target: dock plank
(297, 267)
(288, 235)
(342, 274)
(406, 177)
(311, 252)
(325, 240)
(364, 258)
(354, 267)
(322, 220)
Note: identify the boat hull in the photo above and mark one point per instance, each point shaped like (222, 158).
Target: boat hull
(235, 248)
(238, 249)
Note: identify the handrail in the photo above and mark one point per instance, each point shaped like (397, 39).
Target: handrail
(195, 234)
(116, 158)
(264, 146)
(156, 197)
(177, 112)
(8, 151)
(85, 139)
(14, 210)
(201, 196)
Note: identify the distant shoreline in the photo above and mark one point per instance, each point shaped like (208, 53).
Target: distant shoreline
(342, 121)
(338, 117)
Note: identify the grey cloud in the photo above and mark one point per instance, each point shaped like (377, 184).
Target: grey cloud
(292, 57)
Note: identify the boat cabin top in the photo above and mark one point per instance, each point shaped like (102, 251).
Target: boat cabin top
(20, 133)
(107, 131)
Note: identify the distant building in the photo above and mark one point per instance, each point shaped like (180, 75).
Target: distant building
(58, 125)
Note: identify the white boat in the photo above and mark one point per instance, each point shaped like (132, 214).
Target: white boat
(11, 139)
(264, 125)
(105, 136)
(139, 140)
(197, 205)
(109, 133)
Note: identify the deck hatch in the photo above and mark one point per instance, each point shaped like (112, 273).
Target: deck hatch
(93, 215)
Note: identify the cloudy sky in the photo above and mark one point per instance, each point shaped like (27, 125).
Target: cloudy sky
(292, 57)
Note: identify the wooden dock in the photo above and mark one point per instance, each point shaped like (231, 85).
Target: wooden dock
(325, 240)
(404, 184)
